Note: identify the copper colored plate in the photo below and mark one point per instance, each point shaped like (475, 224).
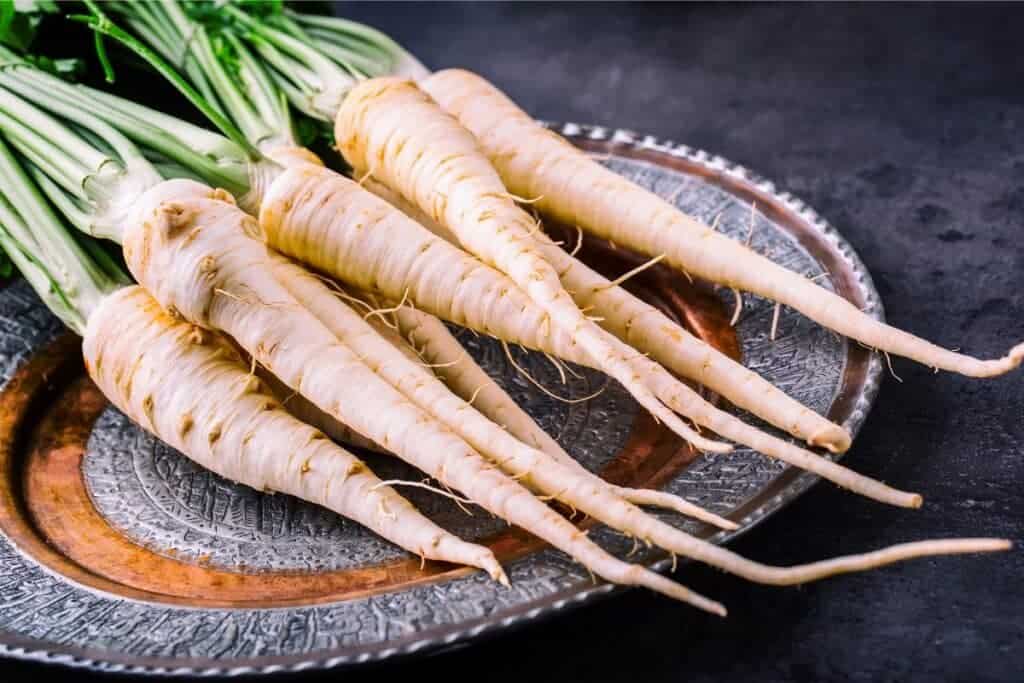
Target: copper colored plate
(129, 558)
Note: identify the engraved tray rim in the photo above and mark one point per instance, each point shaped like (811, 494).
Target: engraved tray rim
(448, 637)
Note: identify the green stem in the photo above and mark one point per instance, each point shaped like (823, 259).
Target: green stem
(347, 27)
(64, 155)
(288, 44)
(68, 205)
(235, 102)
(244, 91)
(218, 160)
(323, 80)
(154, 33)
(317, 60)
(83, 154)
(299, 84)
(360, 39)
(59, 104)
(98, 21)
(144, 19)
(108, 179)
(64, 274)
(261, 89)
(339, 51)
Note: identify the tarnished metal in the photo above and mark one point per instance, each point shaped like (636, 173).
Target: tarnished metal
(118, 553)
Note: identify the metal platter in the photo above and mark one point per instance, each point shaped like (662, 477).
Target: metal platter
(119, 554)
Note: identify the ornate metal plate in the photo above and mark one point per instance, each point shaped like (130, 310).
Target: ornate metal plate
(119, 554)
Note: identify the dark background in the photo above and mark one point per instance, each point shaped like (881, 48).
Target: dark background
(904, 126)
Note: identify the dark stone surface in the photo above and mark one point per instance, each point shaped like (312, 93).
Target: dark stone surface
(904, 126)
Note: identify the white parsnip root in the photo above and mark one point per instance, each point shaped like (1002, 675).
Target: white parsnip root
(467, 379)
(337, 227)
(464, 377)
(650, 331)
(202, 258)
(221, 282)
(424, 337)
(570, 484)
(302, 409)
(575, 189)
(190, 389)
(470, 403)
(437, 165)
(170, 352)
(406, 373)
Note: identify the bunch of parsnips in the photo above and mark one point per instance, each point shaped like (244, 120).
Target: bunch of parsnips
(261, 274)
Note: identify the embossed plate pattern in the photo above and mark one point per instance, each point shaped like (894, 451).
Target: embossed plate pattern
(59, 603)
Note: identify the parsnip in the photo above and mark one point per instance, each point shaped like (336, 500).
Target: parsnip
(424, 339)
(571, 485)
(436, 164)
(191, 390)
(205, 261)
(423, 388)
(468, 380)
(661, 385)
(332, 224)
(650, 331)
(315, 72)
(304, 410)
(200, 257)
(535, 162)
(197, 223)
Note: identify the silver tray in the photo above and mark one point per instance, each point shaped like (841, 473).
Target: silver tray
(118, 554)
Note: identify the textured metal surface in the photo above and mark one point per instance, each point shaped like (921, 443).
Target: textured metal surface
(46, 616)
(25, 325)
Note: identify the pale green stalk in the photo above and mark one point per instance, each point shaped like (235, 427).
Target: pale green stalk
(70, 278)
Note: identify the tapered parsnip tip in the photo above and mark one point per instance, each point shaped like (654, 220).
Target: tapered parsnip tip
(883, 493)
(641, 576)
(834, 439)
(1016, 354)
(697, 600)
(670, 501)
(711, 518)
(497, 573)
(701, 514)
(993, 545)
(966, 546)
(895, 497)
(489, 563)
(716, 608)
(723, 523)
(972, 367)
